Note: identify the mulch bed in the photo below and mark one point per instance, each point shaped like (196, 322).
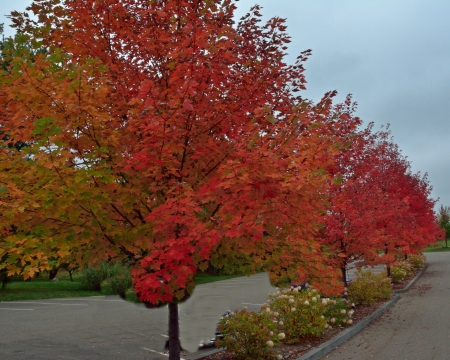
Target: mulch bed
(291, 352)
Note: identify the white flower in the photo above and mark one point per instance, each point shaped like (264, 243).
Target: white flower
(324, 301)
(275, 320)
(276, 313)
(280, 357)
(270, 343)
(327, 326)
(295, 289)
(350, 321)
(268, 309)
(291, 300)
(343, 311)
(306, 302)
(271, 333)
(350, 312)
(314, 299)
(353, 304)
(281, 336)
(293, 309)
(333, 320)
(322, 317)
(280, 323)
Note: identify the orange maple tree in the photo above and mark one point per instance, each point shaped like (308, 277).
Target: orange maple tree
(161, 132)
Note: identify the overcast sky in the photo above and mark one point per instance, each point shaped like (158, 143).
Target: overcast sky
(392, 55)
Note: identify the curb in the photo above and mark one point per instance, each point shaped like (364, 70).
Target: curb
(411, 283)
(328, 346)
(205, 354)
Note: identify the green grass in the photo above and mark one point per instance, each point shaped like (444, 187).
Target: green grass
(438, 247)
(41, 288)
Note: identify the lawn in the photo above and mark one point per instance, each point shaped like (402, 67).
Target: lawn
(45, 289)
(438, 247)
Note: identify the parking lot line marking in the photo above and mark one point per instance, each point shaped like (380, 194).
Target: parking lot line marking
(160, 353)
(12, 309)
(42, 303)
(166, 336)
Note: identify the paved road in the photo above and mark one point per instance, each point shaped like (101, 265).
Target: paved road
(110, 328)
(415, 328)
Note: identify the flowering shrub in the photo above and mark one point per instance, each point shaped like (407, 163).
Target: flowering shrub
(299, 313)
(368, 288)
(337, 312)
(249, 335)
(401, 270)
(416, 260)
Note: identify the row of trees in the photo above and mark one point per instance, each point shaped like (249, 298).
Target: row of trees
(164, 133)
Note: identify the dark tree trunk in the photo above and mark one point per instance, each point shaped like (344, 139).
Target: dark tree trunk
(3, 284)
(344, 275)
(52, 274)
(174, 332)
(70, 274)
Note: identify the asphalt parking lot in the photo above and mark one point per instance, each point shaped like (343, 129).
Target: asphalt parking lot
(110, 328)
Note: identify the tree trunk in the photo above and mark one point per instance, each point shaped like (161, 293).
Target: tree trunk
(52, 274)
(174, 332)
(70, 274)
(4, 284)
(344, 275)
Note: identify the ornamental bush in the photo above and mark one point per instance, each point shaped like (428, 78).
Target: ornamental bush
(369, 287)
(417, 261)
(300, 314)
(249, 335)
(94, 276)
(337, 312)
(401, 270)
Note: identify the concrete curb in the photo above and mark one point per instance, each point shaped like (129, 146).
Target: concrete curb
(205, 354)
(328, 346)
(411, 283)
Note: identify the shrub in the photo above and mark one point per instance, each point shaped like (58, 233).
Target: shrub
(120, 283)
(300, 314)
(401, 270)
(368, 288)
(94, 276)
(417, 261)
(337, 312)
(248, 335)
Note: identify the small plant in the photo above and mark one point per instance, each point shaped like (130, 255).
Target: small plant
(369, 287)
(300, 314)
(400, 271)
(337, 312)
(417, 261)
(248, 335)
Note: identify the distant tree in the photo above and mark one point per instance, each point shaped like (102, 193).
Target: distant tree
(444, 221)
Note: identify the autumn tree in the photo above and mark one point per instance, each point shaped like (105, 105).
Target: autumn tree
(160, 132)
(377, 205)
